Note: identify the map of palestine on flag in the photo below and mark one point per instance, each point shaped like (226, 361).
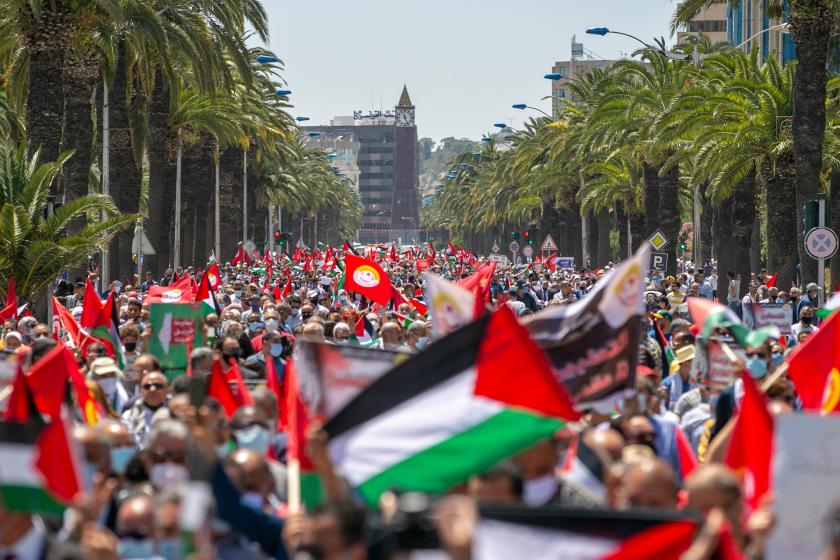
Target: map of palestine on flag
(449, 412)
(175, 326)
(593, 343)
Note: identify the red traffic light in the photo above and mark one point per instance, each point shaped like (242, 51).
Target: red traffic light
(276, 235)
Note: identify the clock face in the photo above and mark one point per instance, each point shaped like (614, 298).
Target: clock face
(405, 117)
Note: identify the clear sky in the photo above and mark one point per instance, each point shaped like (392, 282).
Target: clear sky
(465, 62)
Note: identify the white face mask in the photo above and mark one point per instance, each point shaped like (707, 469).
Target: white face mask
(270, 325)
(422, 341)
(168, 475)
(538, 492)
(109, 386)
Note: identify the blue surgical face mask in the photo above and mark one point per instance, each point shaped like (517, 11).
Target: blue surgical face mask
(171, 549)
(776, 358)
(88, 471)
(276, 349)
(253, 500)
(237, 293)
(255, 438)
(223, 449)
(271, 325)
(120, 456)
(253, 326)
(757, 367)
(422, 341)
(129, 549)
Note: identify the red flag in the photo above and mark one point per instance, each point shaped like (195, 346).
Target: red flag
(418, 305)
(177, 292)
(666, 541)
(772, 281)
(396, 297)
(213, 276)
(287, 289)
(393, 255)
(296, 420)
(241, 255)
(219, 388)
(367, 278)
(91, 307)
(750, 452)
(11, 309)
(814, 364)
(450, 249)
(688, 461)
(422, 264)
(478, 284)
(432, 251)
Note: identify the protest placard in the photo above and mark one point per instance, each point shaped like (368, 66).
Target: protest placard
(773, 315)
(175, 327)
(806, 468)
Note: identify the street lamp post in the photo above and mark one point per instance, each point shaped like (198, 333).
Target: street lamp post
(523, 106)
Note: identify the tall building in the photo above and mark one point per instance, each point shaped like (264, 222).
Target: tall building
(711, 22)
(378, 152)
(561, 89)
(749, 23)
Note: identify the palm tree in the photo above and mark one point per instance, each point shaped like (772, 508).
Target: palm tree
(811, 24)
(34, 246)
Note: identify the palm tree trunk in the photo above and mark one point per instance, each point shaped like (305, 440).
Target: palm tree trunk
(637, 229)
(574, 238)
(592, 238)
(725, 249)
(46, 39)
(604, 228)
(650, 198)
(669, 213)
(743, 216)
(231, 201)
(160, 190)
(781, 221)
(705, 225)
(811, 25)
(79, 82)
(124, 172)
(622, 222)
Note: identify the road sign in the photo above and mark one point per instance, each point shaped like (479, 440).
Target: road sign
(495, 247)
(658, 240)
(659, 261)
(501, 259)
(143, 241)
(528, 251)
(821, 242)
(514, 247)
(548, 244)
(565, 262)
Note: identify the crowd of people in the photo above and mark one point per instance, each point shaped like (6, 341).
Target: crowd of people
(141, 461)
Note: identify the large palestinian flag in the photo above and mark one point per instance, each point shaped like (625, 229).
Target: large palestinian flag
(572, 534)
(483, 393)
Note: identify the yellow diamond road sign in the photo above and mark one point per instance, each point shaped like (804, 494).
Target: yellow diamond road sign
(657, 240)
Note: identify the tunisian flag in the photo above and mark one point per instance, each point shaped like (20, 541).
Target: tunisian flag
(750, 452)
(367, 278)
(478, 284)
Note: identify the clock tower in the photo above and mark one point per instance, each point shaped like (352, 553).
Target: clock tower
(405, 218)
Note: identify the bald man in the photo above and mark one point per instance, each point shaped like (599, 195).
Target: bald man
(136, 526)
(391, 336)
(250, 474)
(717, 486)
(649, 483)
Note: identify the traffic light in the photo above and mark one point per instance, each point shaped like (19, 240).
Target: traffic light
(527, 236)
(276, 235)
(682, 246)
(514, 235)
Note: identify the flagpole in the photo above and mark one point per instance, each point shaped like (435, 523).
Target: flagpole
(293, 484)
(244, 196)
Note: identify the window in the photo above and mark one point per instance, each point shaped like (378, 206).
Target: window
(707, 26)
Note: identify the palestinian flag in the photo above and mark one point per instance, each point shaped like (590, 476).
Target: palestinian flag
(667, 352)
(367, 278)
(364, 331)
(573, 534)
(106, 331)
(710, 316)
(39, 472)
(91, 306)
(832, 305)
(404, 321)
(205, 294)
(449, 412)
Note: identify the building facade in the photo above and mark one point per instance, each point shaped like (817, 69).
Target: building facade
(749, 23)
(711, 22)
(378, 152)
(561, 91)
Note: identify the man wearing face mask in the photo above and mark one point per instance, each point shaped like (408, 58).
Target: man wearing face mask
(249, 472)
(106, 373)
(272, 349)
(295, 318)
(137, 529)
(154, 391)
(229, 350)
(165, 455)
(417, 338)
(805, 324)
(391, 336)
(542, 485)
(271, 323)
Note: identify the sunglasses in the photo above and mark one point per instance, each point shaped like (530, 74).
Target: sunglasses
(645, 437)
(155, 386)
(162, 455)
(761, 355)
